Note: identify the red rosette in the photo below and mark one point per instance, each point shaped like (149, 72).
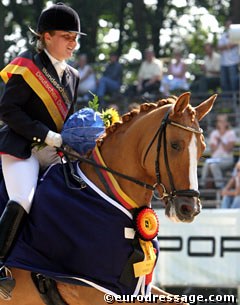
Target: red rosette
(146, 223)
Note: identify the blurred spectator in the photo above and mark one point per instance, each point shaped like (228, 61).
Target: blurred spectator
(150, 73)
(221, 143)
(87, 80)
(229, 61)
(111, 80)
(176, 78)
(210, 80)
(114, 106)
(231, 192)
(133, 106)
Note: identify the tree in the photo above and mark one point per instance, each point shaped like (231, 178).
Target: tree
(157, 24)
(121, 26)
(235, 11)
(140, 20)
(14, 21)
(139, 25)
(3, 13)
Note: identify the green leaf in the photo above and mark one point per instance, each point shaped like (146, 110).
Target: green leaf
(94, 102)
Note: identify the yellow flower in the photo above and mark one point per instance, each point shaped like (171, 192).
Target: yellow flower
(110, 116)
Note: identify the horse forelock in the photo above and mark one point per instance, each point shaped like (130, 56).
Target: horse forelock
(192, 112)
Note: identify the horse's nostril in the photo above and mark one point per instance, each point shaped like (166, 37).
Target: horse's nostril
(186, 208)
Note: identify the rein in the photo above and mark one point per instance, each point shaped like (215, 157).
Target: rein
(160, 134)
(112, 171)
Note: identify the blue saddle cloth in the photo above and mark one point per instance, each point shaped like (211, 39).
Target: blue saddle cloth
(74, 236)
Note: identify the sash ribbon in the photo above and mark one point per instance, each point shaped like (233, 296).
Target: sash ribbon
(43, 84)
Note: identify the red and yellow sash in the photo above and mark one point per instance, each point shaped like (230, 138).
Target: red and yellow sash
(44, 85)
(118, 193)
(146, 266)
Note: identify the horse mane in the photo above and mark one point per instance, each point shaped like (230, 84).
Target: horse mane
(143, 108)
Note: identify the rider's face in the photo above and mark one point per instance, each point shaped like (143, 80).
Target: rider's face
(61, 44)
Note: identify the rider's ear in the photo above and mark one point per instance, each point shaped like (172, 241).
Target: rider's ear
(181, 103)
(205, 107)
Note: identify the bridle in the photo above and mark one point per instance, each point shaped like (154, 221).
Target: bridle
(159, 135)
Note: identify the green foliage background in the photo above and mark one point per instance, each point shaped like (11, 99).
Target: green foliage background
(139, 24)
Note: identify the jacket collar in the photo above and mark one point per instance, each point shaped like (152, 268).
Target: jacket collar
(59, 66)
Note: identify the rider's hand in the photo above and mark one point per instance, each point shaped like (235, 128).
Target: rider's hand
(53, 139)
(46, 156)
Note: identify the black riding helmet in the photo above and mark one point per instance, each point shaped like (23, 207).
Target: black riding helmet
(59, 17)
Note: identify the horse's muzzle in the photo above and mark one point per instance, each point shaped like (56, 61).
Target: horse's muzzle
(183, 209)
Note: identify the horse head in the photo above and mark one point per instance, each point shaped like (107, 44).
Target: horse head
(158, 147)
(179, 143)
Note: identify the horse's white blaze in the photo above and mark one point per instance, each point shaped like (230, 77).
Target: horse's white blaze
(192, 148)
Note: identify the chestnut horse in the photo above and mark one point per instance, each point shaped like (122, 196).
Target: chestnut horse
(155, 147)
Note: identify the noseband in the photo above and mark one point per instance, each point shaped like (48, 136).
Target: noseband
(161, 134)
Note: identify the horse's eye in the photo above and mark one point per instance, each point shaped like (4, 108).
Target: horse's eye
(175, 146)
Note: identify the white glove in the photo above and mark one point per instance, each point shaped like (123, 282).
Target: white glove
(46, 156)
(53, 139)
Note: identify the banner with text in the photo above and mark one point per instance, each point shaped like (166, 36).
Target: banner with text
(205, 253)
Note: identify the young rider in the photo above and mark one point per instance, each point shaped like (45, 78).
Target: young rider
(40, 91)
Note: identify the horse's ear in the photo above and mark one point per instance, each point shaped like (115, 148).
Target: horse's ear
(205, 107)
(181, 103)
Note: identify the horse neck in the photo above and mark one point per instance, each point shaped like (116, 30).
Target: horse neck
(139, 194)
(121, 152)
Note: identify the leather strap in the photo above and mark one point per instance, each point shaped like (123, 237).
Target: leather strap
(47, 289)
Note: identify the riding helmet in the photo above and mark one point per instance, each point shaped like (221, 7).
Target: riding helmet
(59, 17)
